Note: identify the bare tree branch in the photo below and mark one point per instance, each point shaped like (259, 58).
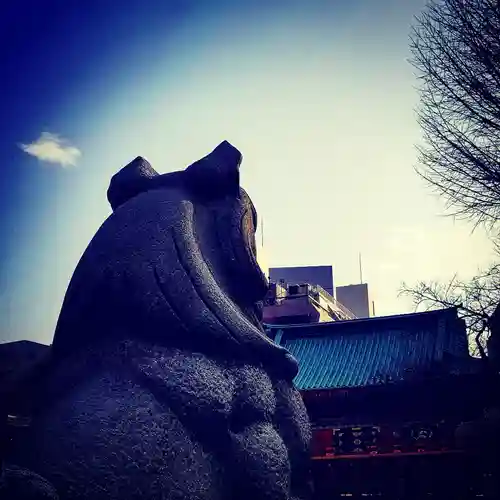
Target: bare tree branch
(455, 48)
(475, 300)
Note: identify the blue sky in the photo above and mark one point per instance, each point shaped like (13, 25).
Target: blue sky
(317, 95)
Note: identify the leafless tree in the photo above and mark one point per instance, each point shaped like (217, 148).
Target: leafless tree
(475, 300)
(455, 47)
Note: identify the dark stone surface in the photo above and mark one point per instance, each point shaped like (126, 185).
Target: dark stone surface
(17, 356)
(162, 383)
(21, 484)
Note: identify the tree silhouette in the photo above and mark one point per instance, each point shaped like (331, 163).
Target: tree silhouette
(455, 47)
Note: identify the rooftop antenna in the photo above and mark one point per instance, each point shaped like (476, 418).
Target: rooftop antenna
(360, 270)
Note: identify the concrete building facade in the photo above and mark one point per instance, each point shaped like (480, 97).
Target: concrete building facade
(355, 298)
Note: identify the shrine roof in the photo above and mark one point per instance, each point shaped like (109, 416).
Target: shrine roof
(373, 351)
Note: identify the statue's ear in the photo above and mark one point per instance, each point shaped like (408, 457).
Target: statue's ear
(130, 181)
(217, 174)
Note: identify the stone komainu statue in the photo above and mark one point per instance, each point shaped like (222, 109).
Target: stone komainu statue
(162, 383)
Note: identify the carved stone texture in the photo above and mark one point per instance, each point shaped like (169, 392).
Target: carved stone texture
(163, 383)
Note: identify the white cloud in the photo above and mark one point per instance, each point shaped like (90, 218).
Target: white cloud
(52, 148)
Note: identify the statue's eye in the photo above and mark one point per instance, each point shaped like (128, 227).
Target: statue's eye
(254, 219)
(248, 223)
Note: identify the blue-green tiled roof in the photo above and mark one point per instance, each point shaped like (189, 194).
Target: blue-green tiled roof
(367, 352)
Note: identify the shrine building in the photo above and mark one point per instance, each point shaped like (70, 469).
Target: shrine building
(385, 396)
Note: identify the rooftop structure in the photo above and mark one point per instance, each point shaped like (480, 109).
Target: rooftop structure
(314, 275)
(363, 352)
(302, 303)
